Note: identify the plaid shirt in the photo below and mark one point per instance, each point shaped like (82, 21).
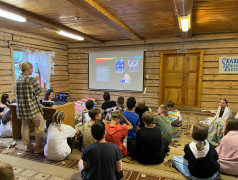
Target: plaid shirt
(28, 90)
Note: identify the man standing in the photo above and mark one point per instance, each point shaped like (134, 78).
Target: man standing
(29, 109)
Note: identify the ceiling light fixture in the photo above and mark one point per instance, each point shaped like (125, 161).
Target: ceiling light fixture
(63, 33)
(12, 16)
(185, 22)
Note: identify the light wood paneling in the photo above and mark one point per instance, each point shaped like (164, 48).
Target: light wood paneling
(214, 85)
(59, 81)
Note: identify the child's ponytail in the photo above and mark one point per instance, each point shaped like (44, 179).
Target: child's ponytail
(199, 146)
(58, 118)
(199, 134)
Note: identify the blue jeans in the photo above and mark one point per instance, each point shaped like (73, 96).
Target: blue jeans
(179, 164)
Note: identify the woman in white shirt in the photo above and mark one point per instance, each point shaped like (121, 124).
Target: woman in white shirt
(216, 124)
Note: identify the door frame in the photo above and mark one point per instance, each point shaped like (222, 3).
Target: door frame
(200, 73)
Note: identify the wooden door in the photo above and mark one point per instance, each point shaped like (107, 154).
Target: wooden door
(180, 78)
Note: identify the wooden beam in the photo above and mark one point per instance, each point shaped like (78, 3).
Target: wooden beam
(95, 9)
(182, 8)
(34, 18)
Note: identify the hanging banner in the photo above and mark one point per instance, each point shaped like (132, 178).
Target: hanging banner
(228, 64)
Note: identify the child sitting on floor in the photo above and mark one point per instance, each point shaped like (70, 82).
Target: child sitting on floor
(115, 132)
(6, 171)
(150, 147)
(134, 119)
(59, 144)
(162, 121)
(95, 115)
(6, 125)
(100, 160)
(84, 117)
(200, 159)
(120, 107)
(107, 104)
(175, 117)
(140, 109)
(228, 149)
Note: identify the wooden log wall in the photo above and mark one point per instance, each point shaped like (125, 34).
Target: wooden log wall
(11, 40)
(214, 85)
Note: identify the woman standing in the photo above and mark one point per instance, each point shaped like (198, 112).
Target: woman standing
(29, 109)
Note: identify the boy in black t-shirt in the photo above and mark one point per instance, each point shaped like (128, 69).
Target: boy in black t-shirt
(107, 104)
(100, 160)
(150, 147)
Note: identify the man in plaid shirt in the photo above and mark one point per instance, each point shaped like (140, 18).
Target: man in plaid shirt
(29, 109)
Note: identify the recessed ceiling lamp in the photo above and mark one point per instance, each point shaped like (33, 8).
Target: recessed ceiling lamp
(185, 22)
(63, 33)
(12, 16)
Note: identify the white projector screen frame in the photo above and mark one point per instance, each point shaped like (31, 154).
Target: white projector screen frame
(116, 70)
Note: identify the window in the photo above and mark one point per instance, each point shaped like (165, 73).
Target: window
(18, 58)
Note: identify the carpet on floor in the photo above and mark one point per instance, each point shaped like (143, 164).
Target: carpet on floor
(28, 174)
(23, 173)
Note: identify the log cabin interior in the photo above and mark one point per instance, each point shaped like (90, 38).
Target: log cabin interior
(180, 65)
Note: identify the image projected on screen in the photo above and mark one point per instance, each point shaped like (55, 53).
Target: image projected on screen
(114, 70)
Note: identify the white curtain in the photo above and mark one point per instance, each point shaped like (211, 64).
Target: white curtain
(44, 61)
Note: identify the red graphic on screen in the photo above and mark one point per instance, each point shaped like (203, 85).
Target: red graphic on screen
(101, 60)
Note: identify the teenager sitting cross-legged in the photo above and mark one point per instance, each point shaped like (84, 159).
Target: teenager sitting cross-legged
(150, 147)
(228, 148)
(162, 121)
(107, 104)
(120, 107)
(175, 117)
(59, 143)
(84, 117)
(200, 161)
(100, 160)
(115, 132)
(134, 119)
(95, 115)
(140, 109)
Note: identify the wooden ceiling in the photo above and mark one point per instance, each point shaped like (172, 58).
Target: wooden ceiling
(106, 20)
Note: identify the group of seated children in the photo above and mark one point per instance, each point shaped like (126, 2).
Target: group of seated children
(108, 137)
(201, 159)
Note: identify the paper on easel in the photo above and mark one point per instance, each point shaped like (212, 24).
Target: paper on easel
(236, 117)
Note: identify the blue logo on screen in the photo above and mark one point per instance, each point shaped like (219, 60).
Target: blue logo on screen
(119, 65)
